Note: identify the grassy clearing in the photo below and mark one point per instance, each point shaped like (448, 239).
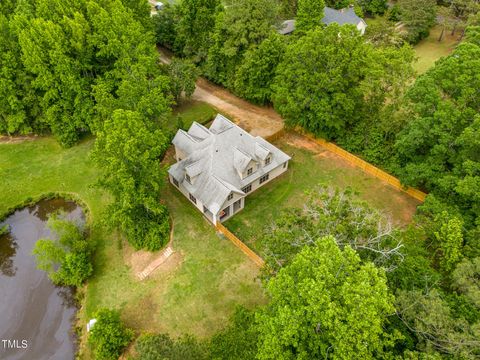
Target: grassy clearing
(430, 49)
(195, 291)
(187, 112)
(312, 165)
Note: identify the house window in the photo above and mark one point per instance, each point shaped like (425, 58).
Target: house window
(175, 181)
(267, 160)
(247, 189)
(249, 171)
(230, 197)
(187, 177)
(284, 165)
(192, 198)
(264, 178)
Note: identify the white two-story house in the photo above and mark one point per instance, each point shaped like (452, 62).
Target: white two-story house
(218, 167)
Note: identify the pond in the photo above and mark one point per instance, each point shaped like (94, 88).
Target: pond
(36, 317)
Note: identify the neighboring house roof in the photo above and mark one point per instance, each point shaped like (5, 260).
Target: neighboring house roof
(214, 158)
(341, 17)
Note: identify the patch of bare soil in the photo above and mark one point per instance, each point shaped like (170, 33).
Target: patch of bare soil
(302, 142)
(16, 139)
(173, 262)
(139, 260)
(258, 120)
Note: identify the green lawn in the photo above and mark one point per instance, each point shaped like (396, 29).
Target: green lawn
(430, 49)
(196, 293)
(187, 112)
(308, 168)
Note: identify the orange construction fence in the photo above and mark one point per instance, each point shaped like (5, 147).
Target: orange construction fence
(368, 168)
(238, 243)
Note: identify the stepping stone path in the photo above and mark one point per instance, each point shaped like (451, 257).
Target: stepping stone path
(156, 263)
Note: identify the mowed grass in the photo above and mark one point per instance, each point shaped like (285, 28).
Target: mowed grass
(188, 111)
(429, 50)
(310, 166)
(195, 291)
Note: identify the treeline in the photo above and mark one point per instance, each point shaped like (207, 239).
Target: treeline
(73, 68)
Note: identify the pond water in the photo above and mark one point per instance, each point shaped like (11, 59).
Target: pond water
(35, 315)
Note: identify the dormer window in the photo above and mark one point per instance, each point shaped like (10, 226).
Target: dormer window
(230, 197)
(267, 160)
(249, 171)
(187, 177)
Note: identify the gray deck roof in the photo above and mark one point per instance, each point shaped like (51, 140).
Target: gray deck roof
(214, 158)
(341, 17)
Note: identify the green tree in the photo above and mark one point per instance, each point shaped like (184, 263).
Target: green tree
(418, 16)
(183, 76)
(255, 75)
(17, 96)
(238, 340)
(388, 75)
(329, 211)
(55, 50)
(461, 11)
(240, 27)
(450, 239)
(67, 259)
(288, 8)
(438, 149)
(109, 336)
(164, 24)
(325, 304)
(318, 82)
(373, 6)
(429, 317)
(309, 15)
(66, 66)
(195, 26)
(465, 279)
(128, 150)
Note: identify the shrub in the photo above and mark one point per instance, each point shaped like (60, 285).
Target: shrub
(67, 260)
(109, 336)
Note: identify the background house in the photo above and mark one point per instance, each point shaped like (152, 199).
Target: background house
(341, 17)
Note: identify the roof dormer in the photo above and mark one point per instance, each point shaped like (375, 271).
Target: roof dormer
(192, 171)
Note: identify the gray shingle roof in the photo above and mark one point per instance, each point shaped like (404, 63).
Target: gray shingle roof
(341, 17)
(213, 161)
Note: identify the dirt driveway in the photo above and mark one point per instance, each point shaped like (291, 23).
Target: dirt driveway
(257, 120)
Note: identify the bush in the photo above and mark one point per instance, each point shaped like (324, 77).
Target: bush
(67, 260)
(109, 336)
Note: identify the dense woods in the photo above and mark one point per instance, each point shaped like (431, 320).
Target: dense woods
(74, 68)
(81, 67)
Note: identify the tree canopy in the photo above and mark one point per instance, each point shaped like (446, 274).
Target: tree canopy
(325, 304)
(128, 150)
(66, 259)
(66, 66)
(309, 15)
(241, 26)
